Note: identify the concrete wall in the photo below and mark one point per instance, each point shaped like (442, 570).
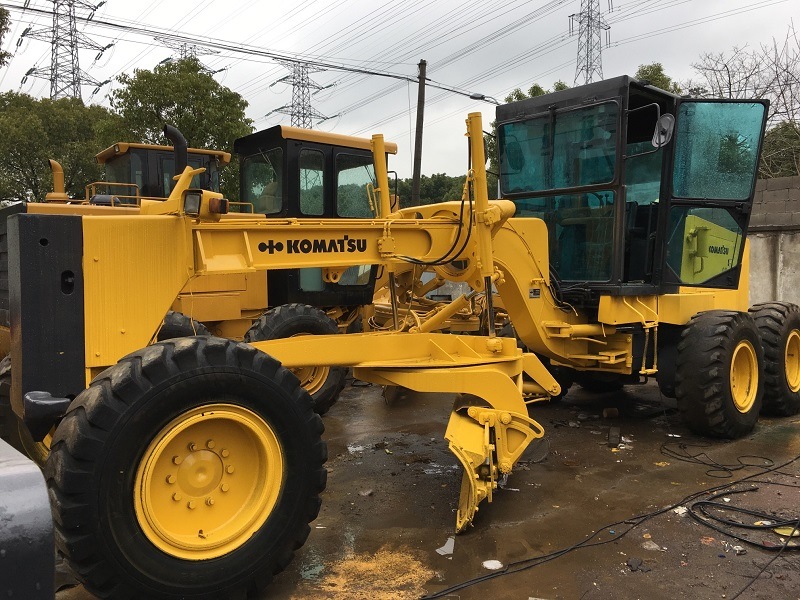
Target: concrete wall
(775, 241)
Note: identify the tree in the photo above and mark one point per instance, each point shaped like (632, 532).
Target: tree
(780, 156)
(4, 23)
(182, 93)
(770, 72)
(32, 131)
(654, 74)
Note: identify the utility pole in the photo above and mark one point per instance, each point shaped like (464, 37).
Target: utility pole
(418, 141)
(65, 75)
(591, 26)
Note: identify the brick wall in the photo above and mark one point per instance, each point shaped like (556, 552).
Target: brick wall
(776, 204)
(775, 241)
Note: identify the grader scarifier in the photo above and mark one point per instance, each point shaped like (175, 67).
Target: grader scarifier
(190, 468)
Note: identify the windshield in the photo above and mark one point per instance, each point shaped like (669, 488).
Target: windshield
(559, 150)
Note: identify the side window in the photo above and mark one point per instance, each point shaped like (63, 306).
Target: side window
(312, 165)
(261, 181)
(573, 148)
(353, 175)
(716, 152)
(702, 243)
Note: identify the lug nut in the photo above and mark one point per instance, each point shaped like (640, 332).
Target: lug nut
(170, 479)
(190, 504)
(225, 453)
(192, 447)
(229, 468)
(210, 444)
(176, 497)
(176, 460)
(224, 487)
(209, 502)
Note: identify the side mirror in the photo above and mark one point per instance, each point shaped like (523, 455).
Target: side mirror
(664, 128)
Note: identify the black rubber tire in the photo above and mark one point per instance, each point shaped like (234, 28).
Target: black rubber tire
(101, 442)
(702, 373)
(12, 430)
(8, 420)
(776, 321)
(300, 319)
(178, 325)
(597, 383)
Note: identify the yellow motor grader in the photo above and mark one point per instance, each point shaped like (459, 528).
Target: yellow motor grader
(190, 468)
(284, 172)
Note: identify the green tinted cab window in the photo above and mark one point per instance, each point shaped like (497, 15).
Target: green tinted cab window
(566, 149)
(353, 175)
(702, 243)
(261, 177)
(716, 152)
(312, 165)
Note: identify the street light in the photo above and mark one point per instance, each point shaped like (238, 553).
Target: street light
(485, 98)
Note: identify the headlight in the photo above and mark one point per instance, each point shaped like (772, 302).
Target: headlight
(191, 203)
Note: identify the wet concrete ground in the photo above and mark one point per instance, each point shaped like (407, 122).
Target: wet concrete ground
(393, 487)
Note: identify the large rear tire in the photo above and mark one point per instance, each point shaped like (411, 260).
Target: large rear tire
(323, 383)
(177, 325)
(719, 367)
(779, 327)
(190, 469)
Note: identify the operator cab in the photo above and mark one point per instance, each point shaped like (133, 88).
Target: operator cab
(293, 172)
(642, 191)
(133, 171)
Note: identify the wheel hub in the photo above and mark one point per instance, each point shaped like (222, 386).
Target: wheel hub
(208, 481)
(792, 360)
(744, 376)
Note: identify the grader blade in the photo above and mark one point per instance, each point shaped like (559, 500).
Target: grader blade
(487, 442)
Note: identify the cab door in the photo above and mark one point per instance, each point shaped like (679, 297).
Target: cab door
(716, 149)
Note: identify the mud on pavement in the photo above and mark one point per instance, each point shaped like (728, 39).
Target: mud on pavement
(393, 487)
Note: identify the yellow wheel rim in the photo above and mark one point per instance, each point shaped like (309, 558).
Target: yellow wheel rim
(208, 481)
(311, 378)
(36, 451)
(792, 360)
(744, 376)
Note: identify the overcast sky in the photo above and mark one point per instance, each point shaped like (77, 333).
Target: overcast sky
(473, 45)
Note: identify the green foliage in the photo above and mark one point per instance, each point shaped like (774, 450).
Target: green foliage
(655, 75)
(780, 156)
(4, 23)
(33, 131)
(183, 94)
(436, 188)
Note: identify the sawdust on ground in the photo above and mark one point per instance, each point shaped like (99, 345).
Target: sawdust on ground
(387, 574)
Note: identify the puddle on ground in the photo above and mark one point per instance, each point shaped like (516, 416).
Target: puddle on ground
(388, 574)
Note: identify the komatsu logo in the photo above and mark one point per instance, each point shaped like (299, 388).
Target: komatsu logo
(317, 246)
(718, 250)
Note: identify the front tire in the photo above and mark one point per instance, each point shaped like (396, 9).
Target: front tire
(190, 469)
(779, 327)
(719, 383)
(289, 320)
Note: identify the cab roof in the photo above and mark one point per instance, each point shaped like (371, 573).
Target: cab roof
(123, 147)
(306, 135)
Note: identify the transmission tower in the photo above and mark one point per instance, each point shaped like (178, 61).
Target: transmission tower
(300, 110)
(591, 26)
(184, 50)
(64, 73)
